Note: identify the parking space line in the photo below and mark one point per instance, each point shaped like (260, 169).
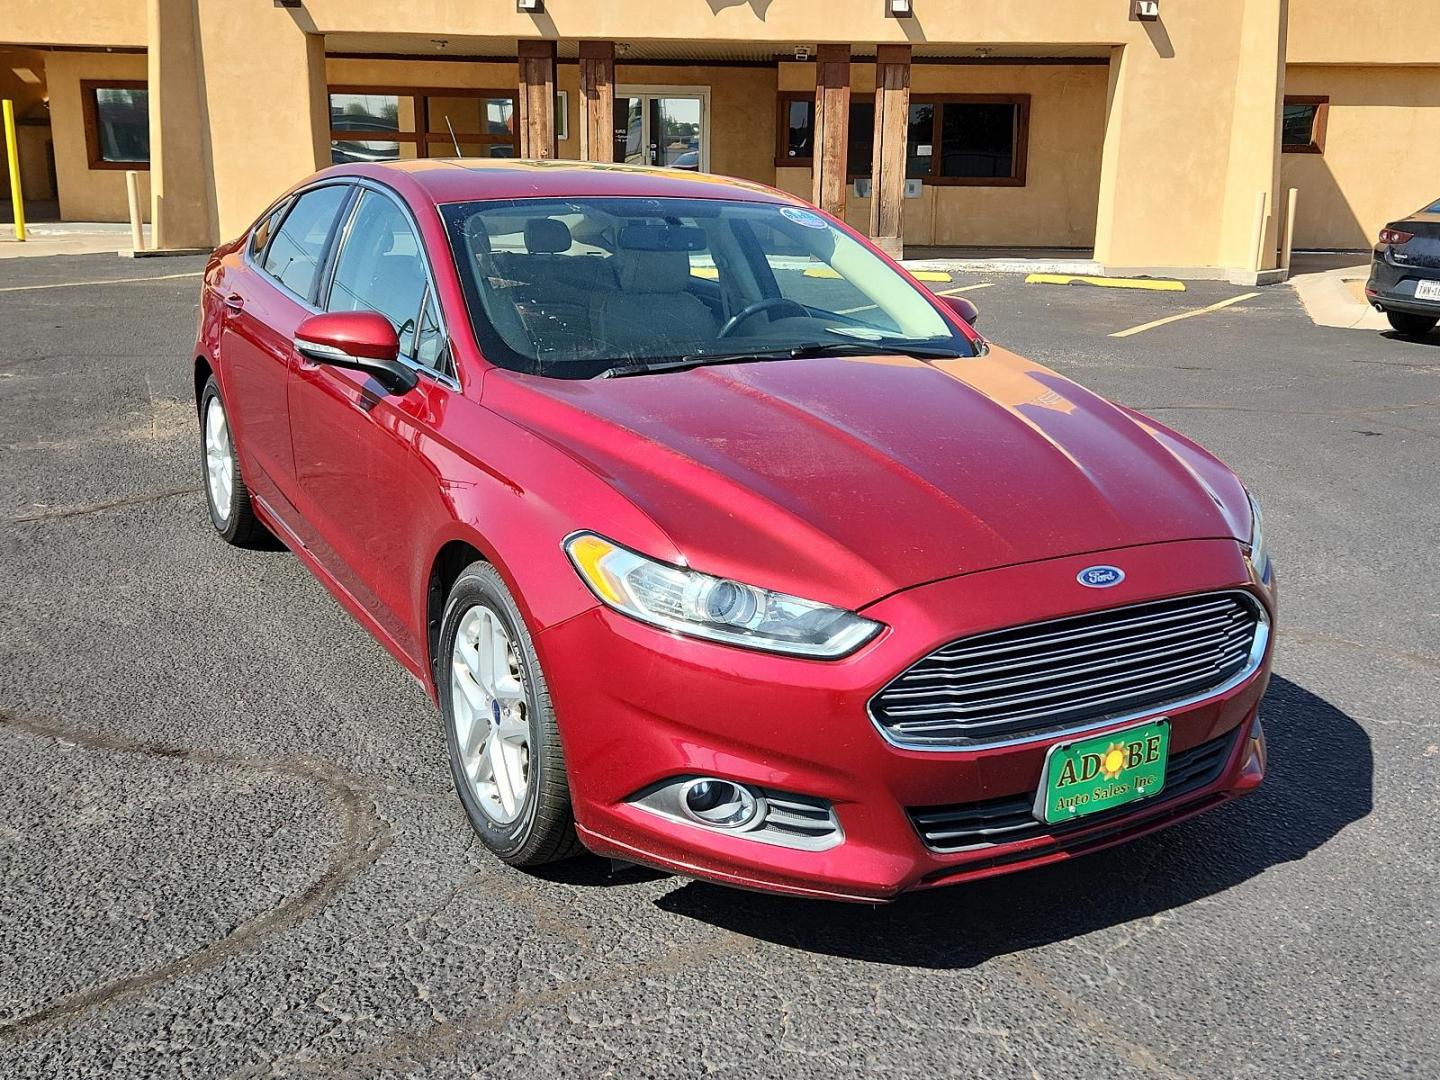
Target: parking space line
(964, 288)
(109, 281)
(1184, 315)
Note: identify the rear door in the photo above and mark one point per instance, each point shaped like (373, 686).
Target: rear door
(264, 303)
(364, 459)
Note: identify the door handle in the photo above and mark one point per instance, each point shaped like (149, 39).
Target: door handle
(235, 303)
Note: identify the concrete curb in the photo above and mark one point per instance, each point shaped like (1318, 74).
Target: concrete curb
(1330, 299)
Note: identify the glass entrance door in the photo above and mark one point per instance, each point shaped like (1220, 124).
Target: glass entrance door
(666, 129)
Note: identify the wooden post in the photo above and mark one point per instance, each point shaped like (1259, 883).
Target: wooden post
(1257, 233)
(537, 99)
(832, 128)
(597, 98)
(1289, 247)
(892, 123)
(137, 222)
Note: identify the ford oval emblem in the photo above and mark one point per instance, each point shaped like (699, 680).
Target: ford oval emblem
(1100, 577)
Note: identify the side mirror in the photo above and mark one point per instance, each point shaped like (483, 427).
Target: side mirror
(960, 306)
(358, 340)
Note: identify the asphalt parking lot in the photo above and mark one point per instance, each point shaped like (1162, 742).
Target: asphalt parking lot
(230, 845)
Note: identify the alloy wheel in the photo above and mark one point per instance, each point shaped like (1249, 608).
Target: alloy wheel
(219, 460)
(489, 701)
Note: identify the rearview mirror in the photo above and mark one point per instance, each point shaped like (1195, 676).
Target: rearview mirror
(960, 306)
(662, 238)
(358, 340)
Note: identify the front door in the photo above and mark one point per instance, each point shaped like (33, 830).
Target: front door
(663, 126)
(363, 485)
(266, 298)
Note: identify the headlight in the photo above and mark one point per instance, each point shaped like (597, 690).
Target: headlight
(1259, 554)
(715, 608)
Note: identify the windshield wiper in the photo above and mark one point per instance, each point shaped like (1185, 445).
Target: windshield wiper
(792, 352)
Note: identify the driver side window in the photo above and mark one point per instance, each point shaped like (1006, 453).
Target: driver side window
(381, 269)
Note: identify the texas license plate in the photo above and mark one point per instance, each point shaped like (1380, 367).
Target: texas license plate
(1102, 773)
(1427, 290)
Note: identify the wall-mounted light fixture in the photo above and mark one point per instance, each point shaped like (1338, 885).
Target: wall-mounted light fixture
(1145, 10)
(899, 9)
(530, 7)
(802, 53)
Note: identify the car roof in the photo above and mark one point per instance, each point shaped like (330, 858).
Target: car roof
(447, 180)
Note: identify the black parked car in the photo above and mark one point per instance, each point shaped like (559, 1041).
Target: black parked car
(1405, 274)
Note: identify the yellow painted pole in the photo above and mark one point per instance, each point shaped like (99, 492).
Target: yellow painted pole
(12, 155)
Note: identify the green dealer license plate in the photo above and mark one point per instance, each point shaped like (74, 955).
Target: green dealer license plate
(1102, 773)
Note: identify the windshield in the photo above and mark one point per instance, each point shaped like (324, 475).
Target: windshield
(573, 288)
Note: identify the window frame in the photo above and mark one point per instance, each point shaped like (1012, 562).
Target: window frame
(1316, 145)
(1019, 170)
(783, 160)
(327, 247)
(420, 138)
(90, 110)
(449, 375)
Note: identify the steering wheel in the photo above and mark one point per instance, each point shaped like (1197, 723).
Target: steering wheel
(755, 309)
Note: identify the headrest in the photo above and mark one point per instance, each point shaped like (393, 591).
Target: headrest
(546, 236)
(653, 271)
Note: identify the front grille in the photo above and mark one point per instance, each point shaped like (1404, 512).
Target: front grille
(1071, 672)
(1008, 819)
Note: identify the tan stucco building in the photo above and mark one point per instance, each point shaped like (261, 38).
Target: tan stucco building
(1153, 142)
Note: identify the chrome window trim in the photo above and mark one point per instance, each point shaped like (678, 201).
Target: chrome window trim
(1162, 708)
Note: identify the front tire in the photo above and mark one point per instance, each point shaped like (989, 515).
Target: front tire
(505, 752)
(1411, 325)
(231, 511)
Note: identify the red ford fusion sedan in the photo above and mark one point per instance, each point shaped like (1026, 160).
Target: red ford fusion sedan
(722, 545)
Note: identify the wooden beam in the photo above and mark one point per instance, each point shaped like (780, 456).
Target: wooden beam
(832, 128)
(536, 122)
(597, 101)
(892, 122)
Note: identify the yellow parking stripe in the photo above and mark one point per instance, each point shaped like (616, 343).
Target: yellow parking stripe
(111, 281)
(1185, 315)
(1153, 284)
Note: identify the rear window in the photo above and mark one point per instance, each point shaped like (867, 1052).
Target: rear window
(293, 258)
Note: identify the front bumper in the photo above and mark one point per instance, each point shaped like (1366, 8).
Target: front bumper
(637, 706)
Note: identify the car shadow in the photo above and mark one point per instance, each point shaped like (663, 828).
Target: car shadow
(1431, 338)
(1319, 781)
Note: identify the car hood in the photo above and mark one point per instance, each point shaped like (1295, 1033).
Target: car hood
(844, 479)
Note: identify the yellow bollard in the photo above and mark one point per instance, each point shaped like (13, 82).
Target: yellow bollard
(12, 155)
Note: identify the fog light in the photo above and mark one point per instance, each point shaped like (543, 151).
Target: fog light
(719, 803)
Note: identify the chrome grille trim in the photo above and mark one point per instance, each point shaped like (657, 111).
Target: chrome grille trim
(1194, 647)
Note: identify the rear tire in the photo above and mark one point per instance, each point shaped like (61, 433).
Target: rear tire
(1412, 325)
(505, 752)
(231, 511)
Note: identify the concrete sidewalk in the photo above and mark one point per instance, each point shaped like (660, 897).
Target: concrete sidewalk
(1331, 286)
(67, 238)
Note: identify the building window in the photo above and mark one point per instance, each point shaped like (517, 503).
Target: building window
(393, 123)
(953, 139)
(117, 124)
(562, 115)
(1302, 127)
(796, 130)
